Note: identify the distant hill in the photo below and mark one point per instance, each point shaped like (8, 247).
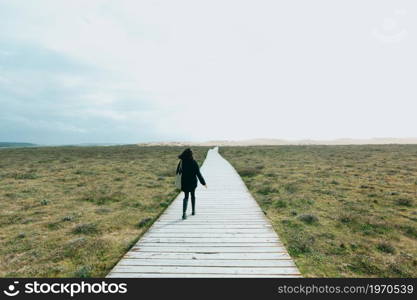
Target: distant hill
(20, 145)
(95, 144)
(14, 145)
(276, 142)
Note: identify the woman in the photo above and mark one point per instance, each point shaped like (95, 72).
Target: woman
(190, 171)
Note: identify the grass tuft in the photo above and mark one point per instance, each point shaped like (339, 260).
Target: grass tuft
(308, 218)
(83, 272)
(144, 222)
(89, 228)
(404, 202)
(386, 247)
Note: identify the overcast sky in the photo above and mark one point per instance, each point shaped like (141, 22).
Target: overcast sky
(132, 71)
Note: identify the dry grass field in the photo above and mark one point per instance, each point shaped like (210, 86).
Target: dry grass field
(342, 211)
(74, 211)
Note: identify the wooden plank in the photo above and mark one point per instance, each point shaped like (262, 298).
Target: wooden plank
(208, 256)
(208, 230)
(203, 232)
(182, 240)
(206, 222)
(213, 216)
(211, 226)
(207, 263)
(209, 249)
(208, 270)
(159, 275)
(235, 209)
(192, 245)
(221, 235)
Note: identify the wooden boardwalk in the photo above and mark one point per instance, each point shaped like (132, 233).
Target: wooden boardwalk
(228, 237)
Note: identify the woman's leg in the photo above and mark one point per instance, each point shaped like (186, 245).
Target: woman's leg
(193, 201)
(184, 203)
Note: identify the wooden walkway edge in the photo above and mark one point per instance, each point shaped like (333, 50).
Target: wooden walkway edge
(228, 237)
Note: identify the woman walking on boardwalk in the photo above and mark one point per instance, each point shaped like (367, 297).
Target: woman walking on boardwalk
(190, 171)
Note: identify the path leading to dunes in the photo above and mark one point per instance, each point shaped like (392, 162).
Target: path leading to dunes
(228, 237)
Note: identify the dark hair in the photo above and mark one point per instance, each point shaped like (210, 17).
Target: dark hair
(186, 154)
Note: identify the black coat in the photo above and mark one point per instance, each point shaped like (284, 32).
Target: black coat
(190, 173)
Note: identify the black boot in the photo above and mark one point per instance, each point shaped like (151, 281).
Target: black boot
(184, 208)
(193, 205)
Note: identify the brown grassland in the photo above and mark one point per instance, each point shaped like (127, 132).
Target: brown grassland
(74, 211)
(341, 211)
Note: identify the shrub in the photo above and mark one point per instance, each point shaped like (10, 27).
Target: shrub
(300, 244)
(364, 264)
(249, 171)
(103, 197)
(290, 188)
(83, 272)
(29, 175)
(266, 190)
(53, 226)
(385, 247)
(410, 231)
(44, 202)
(399, 268)
(76, 243)
(280, 203)
(21, 235)
(346, 219)
(404, 202)
(144, 222)
(308, 218)
(85, 172)
(374, 228)
(88, 228)
(265, 200)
